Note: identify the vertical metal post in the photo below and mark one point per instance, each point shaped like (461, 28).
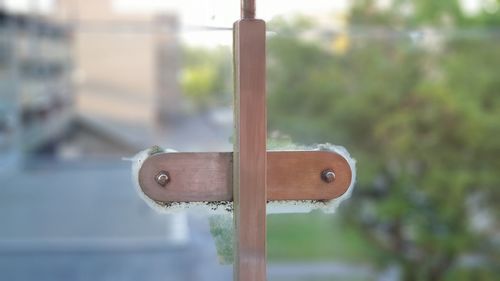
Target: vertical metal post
(247, 9)
(249, 189)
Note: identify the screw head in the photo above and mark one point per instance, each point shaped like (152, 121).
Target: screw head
(328, 176)
(162, 178)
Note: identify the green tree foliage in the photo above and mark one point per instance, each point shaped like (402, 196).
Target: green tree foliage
(420, 112)
(207, 77)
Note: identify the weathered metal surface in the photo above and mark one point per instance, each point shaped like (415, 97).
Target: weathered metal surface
(291, 175)
(192, 177)
(249, 184)
(297, 175)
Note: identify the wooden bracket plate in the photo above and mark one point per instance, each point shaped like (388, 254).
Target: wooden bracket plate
(198, 177)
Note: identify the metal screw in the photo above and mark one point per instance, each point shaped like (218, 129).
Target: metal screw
(162, 178)
(328, 176)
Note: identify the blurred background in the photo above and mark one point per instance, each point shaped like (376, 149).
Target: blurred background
(410, 88)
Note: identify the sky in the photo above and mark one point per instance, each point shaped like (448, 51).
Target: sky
(222, 13)
(226, 11)
(202, 13)
(198, 12)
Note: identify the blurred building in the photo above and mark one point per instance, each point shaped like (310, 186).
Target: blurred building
(8, 100)
(127, 70)
(35, 80)
(85, 82)
(116, 73)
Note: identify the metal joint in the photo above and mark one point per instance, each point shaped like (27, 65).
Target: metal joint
(162, 178)
(328, 176)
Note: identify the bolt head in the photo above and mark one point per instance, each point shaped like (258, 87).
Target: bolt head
(162, 178)
(328, 176)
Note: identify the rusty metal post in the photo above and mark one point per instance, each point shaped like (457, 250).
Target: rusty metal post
(247, 9)
(249, 189)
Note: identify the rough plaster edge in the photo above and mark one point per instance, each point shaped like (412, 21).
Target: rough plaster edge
(302, 206)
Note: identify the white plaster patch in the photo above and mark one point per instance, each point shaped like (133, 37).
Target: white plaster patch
(302, 206)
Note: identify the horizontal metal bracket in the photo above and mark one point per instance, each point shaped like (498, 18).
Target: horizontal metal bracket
(201, 177)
